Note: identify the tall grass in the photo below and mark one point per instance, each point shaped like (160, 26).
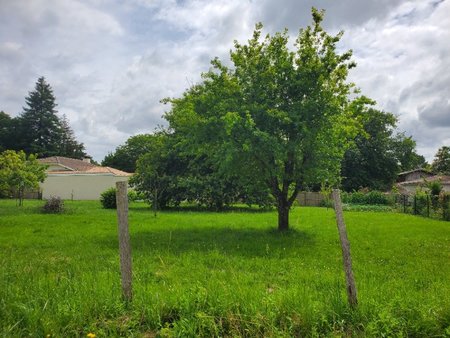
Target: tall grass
(220, 274)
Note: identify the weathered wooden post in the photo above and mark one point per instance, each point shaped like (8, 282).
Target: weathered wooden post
(124, 239)
(345, 246)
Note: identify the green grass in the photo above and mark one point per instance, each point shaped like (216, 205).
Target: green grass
(220, 274)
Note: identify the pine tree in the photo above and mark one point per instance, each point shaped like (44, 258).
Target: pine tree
(69, 146)
(41, 131)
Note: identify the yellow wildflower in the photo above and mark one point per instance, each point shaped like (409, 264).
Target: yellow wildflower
(91, 335)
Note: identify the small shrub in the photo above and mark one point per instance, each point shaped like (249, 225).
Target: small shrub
(444, 201)
(108, 199)
(421, 203)
(435, 188)
(54, 205)
(133, 196)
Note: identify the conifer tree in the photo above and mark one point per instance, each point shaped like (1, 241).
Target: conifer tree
(69, 146)
(41, 131)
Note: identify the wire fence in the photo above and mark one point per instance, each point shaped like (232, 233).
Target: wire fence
(433, 206)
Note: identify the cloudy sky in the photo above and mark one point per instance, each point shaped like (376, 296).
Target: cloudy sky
(110, 62)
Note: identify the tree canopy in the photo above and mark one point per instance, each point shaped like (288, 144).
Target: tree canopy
(171, 172)
(39, 130)
(284, 117)
(378, 153)
(19, 172)
(441, 162)
(6, 131)
(126, 155)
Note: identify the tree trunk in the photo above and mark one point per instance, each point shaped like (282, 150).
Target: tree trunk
(283, 214)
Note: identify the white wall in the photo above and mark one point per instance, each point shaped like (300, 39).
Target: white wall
(78, 187)
(412, 188)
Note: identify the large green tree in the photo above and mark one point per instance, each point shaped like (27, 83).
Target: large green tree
(441, 162)
(7, 127)
(19, 173)
(281, 117)
(69, 146)
(170, 172)
(406, 153)
(378, 153)
(126, 155)
(41, 131)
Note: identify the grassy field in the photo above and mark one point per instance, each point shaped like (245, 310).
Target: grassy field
(220, 274)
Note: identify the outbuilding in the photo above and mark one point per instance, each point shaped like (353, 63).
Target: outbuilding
(74, 179)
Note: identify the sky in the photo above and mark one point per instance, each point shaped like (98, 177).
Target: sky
(110, 62)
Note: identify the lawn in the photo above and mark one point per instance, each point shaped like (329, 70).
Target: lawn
(220, 274)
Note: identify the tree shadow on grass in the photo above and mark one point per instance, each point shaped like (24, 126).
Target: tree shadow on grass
(246, 242)
(200, 209)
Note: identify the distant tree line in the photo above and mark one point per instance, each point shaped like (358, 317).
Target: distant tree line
(38, 129)
(166, 163)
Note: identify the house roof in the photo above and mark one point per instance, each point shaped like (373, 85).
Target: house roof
(442, 178)
(78, 167)
(413, 171)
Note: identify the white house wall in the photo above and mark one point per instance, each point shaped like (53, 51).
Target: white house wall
(78, 187)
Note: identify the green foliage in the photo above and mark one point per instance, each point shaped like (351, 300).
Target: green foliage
(125, 156)
(444, 202)
(108, 198)
(171, 172)
(368, 207)
(54, 205)
(404, 150)
(435, 187)
(69, 146)
(441, 162)
(19, 173)
(377, 154)
(39, 130)
(280, 117)
(7, 126)
(220, 274)
(134, 196)
(367, 198)
(421, 203)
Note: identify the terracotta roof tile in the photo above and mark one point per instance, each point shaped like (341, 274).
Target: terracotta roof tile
(80, 167)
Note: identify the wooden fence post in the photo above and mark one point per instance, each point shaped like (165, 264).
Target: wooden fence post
(345, 246)
(124, 239)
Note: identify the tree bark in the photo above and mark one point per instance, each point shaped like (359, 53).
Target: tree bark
(283, 214)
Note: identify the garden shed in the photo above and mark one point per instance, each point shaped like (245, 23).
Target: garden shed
(74, 179)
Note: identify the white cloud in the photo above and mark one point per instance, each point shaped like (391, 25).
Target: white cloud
(111, 62)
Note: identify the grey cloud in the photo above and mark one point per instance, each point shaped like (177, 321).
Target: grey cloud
(294, 14)
(437, 114)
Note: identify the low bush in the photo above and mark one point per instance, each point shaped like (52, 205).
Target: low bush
(54, 205)
(134, 196)
(108, 198)
(366, 198)
(421, 204)
(444, 202)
